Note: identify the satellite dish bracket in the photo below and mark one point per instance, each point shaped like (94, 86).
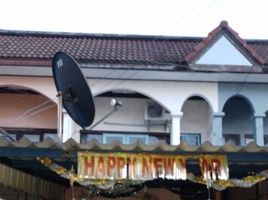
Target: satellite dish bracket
(68, 95)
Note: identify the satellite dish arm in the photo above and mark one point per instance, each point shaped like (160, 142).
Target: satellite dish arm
(103, 118)
(116, 104)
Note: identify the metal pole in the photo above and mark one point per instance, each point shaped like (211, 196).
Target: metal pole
(59, 125)
(103, 118)
(116, 104)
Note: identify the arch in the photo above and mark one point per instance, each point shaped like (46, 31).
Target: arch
(132, 116)
(27, 88)
(42, 85)
(237, 123)
(201, 96)
(136, 91)
(265, 128)
(240, 96)
(196, 121)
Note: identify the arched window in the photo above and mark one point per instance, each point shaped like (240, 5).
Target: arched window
(196, 121)
(238, 122)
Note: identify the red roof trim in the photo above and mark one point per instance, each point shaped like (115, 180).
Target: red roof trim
(26, 62)
(223, 27)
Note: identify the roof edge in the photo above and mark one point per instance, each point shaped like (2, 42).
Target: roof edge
(95, 35)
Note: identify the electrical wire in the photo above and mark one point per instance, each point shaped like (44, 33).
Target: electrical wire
(32, 111)
(193, 14)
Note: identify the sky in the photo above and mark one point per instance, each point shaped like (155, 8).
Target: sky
(137, 17)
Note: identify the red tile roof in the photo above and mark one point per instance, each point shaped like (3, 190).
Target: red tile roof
(37, 48)
(96, 48)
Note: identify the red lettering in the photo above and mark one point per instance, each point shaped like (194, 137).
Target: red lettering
(205, 168)
(88, 165)
(145, 167)
(169, 166)
(131, 167)
(204, 165)
(120, 165)
(158, 166)
(111, 166)
(100, 168)
(182, 164)
(216, 163)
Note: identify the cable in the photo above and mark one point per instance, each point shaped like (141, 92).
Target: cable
(193, 14)
(33, 111)
(38, 111)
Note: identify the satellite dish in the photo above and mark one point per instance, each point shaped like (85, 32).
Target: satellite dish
(70, 82)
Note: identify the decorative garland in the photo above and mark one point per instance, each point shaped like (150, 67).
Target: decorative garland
(112, 185)
(220, 185)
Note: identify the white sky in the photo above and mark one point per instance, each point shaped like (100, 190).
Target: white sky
(144, 17)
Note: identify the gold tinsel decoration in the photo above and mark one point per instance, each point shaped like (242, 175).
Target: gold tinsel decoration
(219, 185)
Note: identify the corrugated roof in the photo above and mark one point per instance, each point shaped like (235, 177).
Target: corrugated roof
(93, 145)
(23, 155)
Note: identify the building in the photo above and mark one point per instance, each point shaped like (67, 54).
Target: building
(172, 89)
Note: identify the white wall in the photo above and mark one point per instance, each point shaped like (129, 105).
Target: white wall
(196, 118)
(169, 94)
(128, 118)
(223, 52)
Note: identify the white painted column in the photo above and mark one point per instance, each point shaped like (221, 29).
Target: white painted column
(68, 127)
(217, 137)
(258, 134)
(175, 134)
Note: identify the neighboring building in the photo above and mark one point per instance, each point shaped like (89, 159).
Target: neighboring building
(173, 89)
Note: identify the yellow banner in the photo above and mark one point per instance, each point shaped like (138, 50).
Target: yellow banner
(214, 167)
(117, 166)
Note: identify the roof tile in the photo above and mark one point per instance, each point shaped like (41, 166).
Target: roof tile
(156, 50)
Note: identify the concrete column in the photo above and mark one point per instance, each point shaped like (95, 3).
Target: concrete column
(258, 129)
(217, 137)
(175, 134)
(68, 127)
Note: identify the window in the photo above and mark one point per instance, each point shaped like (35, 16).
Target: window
(135, 138)
(85, 138)
(124, 138)
(109, 138)
(32, 138)
(266, 140)
(191, 139)
(248, 139)
(239, 139)
(232, 138)
(52, 136)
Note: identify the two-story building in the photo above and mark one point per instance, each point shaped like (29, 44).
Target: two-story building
(172, 89)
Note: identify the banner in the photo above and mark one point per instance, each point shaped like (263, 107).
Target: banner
(118, 166)
(214, 167)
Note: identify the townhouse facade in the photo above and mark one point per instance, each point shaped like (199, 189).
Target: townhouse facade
(172, 89)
